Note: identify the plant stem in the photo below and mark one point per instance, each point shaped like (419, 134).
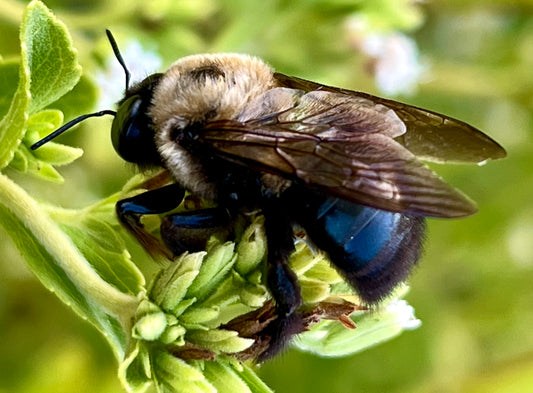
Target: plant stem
(65, 254)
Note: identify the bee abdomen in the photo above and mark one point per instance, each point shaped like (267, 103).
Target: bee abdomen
(375, 250)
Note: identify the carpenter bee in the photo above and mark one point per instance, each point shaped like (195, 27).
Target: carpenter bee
(343, 165)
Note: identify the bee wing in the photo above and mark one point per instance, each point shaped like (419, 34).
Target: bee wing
(430, 136)
(342, 146)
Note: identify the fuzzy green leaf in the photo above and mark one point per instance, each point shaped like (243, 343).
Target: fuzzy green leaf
(224, 378)
(199, 315)
(42, 124)
(58, 264)
(13, 124)
(48, 69)
(151, 326)
(135, 371)
(173, 375)
(219, 340)
(99, 242)
(251, 248)
(215, 267)
(40, 162)
(170, 287)
(313, 291)
(52, 60)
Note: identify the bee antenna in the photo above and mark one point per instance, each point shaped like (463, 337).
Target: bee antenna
(70, 124)
(116, 51)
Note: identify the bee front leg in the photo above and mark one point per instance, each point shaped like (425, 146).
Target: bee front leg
(282, 282)
(157, 201)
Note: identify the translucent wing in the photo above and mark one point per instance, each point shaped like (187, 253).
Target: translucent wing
(430, 136)
(369, 169)
(340, 144)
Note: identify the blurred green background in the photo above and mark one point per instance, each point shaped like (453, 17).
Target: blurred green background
(473, 291)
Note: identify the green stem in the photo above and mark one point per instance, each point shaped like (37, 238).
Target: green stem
(65, 254)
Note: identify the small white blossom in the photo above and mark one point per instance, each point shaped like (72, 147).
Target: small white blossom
(393, 57)
(404, 314)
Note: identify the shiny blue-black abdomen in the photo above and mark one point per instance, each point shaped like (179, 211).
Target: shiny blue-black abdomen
(374, 249)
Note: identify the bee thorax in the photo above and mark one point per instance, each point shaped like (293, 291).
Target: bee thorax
(186, 168)
(200, 88)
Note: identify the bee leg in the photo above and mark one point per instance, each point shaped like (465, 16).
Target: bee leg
(282, 283)
(190, 231)
(159, 200)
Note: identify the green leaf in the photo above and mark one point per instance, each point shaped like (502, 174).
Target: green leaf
(105, 251)
(251, 379)
(52, 61)
(199, 315)
(57, 154)
(151, 326)
(173, 375)
(172, 284)
(48, 69)
(135, 371)
(219, 340)
(19, 161)
(40, 162)
(323, 271)
(13, 124)
(60, 267)
(313, 291)
(225, 378)
(33, 166)
(252, 247)
(42, 123)
(215, 267)
(94, 231)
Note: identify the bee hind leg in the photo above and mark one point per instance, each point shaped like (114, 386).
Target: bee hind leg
(282, 283)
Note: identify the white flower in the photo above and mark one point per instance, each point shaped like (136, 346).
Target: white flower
(397, 69)
(393, 57)
(404, 314)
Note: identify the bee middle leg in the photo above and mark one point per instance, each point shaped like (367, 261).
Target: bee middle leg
(190, 230)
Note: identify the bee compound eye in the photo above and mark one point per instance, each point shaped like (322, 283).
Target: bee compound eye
(132, 134)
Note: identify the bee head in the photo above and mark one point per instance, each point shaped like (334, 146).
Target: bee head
(132, 130)
(132, 133)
